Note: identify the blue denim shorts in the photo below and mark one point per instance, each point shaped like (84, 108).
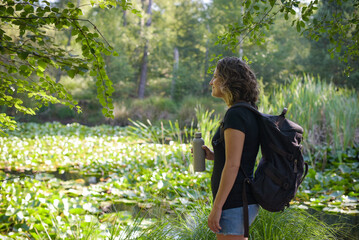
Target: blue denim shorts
(231, 220)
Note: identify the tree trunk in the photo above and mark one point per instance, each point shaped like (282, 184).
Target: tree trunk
(124, 17)
(175, 71)
(143, 75)
(240, 52)
(206, 64)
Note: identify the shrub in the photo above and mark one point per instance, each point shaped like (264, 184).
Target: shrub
(152, 108)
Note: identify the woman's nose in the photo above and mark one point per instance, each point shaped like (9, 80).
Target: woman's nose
(211, 82)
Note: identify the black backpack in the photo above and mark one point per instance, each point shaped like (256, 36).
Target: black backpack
(281, 169)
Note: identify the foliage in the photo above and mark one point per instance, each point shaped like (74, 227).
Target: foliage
(207, 123)
(190, 225)
(326, 48)
(191, 27)
(290, 224)
(29, 50)
(327, 113)
(340, 26)
(332, 182)
(294, 224)
(71, 175)
(103, 156)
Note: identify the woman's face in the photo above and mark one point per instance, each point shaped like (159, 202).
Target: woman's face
(216, 83)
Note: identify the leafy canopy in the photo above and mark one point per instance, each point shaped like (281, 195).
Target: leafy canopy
(28, 51)
(341, 27)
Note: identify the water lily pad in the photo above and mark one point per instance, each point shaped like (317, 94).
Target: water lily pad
(77, 211)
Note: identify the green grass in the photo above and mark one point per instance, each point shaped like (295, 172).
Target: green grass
(291, 224)
(294, 224)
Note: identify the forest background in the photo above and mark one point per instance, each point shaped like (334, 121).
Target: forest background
(166, 51)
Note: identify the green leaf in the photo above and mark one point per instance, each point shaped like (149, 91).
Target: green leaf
(298, 27)
(338, 48)
(70, 5)
(248, 3)
(25, 70)
(93, 73)
(71, 73)
(302, 24)
(19, 7)
(10, 10)
(28, 8)
(41, 65)
(77, 211)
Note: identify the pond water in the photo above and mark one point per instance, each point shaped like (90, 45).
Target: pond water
(350, 220)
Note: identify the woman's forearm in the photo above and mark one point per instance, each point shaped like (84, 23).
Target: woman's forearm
(229, 175)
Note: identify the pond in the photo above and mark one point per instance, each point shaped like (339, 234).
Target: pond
(56, 177)
(350, 221)
(130, 207)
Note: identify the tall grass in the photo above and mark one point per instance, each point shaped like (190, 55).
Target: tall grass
(328, 114)
(207, 123)
(294, 224)
(291, 224)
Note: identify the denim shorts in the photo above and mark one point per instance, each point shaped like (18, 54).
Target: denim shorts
(231, 220)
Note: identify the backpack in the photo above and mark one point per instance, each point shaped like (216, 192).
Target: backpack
(281, 169)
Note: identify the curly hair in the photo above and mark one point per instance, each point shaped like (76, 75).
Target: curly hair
(238, 81)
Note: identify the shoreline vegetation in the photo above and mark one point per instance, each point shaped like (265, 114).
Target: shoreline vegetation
(110, 182)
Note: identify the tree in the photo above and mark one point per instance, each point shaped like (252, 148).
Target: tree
(143, 75)
(324, 55)
(341, 29)
(27, 50)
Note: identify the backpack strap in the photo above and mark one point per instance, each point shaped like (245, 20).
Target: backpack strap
(245, 207)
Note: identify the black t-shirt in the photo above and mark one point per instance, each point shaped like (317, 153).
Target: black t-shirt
(242, 119)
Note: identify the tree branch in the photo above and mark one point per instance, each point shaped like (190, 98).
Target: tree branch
(71, 19)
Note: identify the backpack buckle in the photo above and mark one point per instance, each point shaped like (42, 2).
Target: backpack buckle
(284, 112)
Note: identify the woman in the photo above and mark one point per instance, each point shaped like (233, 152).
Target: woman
(234, 82)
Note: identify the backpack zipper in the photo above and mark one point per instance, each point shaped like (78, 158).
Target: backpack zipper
(295, 166)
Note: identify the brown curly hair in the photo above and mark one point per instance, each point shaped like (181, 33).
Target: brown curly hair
(238, 81)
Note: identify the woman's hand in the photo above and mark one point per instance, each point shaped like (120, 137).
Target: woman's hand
(209, 155)
(209, 152)
(213, 219)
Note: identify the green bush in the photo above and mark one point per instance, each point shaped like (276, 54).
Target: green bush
(152, 108)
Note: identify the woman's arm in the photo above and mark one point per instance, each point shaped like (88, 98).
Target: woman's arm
(234, 140)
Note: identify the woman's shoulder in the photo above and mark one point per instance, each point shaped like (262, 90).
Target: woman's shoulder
(239, 118)
(242, 112)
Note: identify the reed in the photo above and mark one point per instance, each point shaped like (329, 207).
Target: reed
(208, 122)
(294, 224)
(291, 224)
(328, 114)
